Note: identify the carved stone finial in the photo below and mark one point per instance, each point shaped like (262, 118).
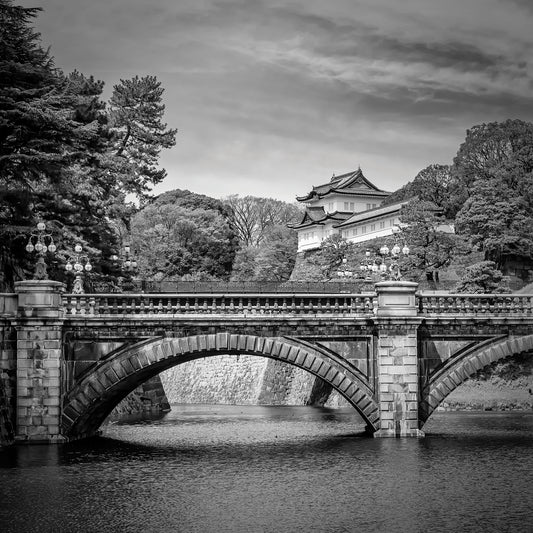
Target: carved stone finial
(77, 287)
(40, 269)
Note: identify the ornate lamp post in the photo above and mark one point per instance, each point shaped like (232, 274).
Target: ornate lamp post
(129, 263)
(344, 271)
(387, 265)
(78, 263)
(392, 257)
(41, 242)
(368, 266)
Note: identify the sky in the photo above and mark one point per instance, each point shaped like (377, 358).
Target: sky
(271, 97)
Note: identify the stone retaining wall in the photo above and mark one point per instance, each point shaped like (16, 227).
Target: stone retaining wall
(243, 380)
(150, 397)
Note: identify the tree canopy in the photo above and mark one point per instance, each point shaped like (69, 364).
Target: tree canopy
(493, 173)
(173, 239)
(252, 218)
(65, 158)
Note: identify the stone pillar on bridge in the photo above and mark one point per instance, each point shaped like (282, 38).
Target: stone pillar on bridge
(397, 359)
(39, 350)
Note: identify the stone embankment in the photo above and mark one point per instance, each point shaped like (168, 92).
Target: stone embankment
(243, 380)
(250, 380)
(150, 397)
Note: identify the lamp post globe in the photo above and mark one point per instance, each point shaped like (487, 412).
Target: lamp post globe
(40, 242)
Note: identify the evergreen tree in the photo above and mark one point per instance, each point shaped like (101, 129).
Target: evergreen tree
(493, 173)
(172, 242)
(483, 278)
(139, 133)
(45, 132)
(431, 247)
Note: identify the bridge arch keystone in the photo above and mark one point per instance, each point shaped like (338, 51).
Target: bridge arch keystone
(89, 402)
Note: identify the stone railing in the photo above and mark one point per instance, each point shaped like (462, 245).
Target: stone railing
(474, 304)
(366, 304)
(219, 304)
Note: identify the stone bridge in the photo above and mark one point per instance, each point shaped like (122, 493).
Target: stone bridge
(394, 353)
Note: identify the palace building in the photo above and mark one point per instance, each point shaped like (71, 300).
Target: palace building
(350, 205)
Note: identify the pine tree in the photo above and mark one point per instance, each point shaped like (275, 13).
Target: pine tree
(139, 133)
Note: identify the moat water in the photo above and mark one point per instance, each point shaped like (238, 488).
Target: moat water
(275, 469)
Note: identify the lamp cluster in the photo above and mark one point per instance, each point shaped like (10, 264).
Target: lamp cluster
(129, 263)
(78, 263)
(344, 271)
(387, 265)
(41, 242)
(75, 262)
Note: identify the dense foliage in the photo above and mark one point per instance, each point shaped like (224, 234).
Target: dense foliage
(487, 194)
(65, 158)
(182, 235)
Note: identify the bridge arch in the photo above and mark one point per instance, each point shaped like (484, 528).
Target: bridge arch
(457, 371)
(89, 402)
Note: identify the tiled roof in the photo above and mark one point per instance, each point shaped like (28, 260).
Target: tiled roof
(316, 215)
(350, 183)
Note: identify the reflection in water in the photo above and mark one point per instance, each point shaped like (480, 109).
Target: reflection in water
(275, 469)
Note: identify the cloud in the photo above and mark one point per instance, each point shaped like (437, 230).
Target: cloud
(279, 94)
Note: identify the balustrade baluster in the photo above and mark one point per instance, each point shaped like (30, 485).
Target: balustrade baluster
(69, 305)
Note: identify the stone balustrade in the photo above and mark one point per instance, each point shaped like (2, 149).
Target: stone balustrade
(474, 304)
(427, 304)
(238, 304)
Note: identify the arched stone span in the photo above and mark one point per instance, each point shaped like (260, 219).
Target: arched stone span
(86, 406)
(458, 371)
